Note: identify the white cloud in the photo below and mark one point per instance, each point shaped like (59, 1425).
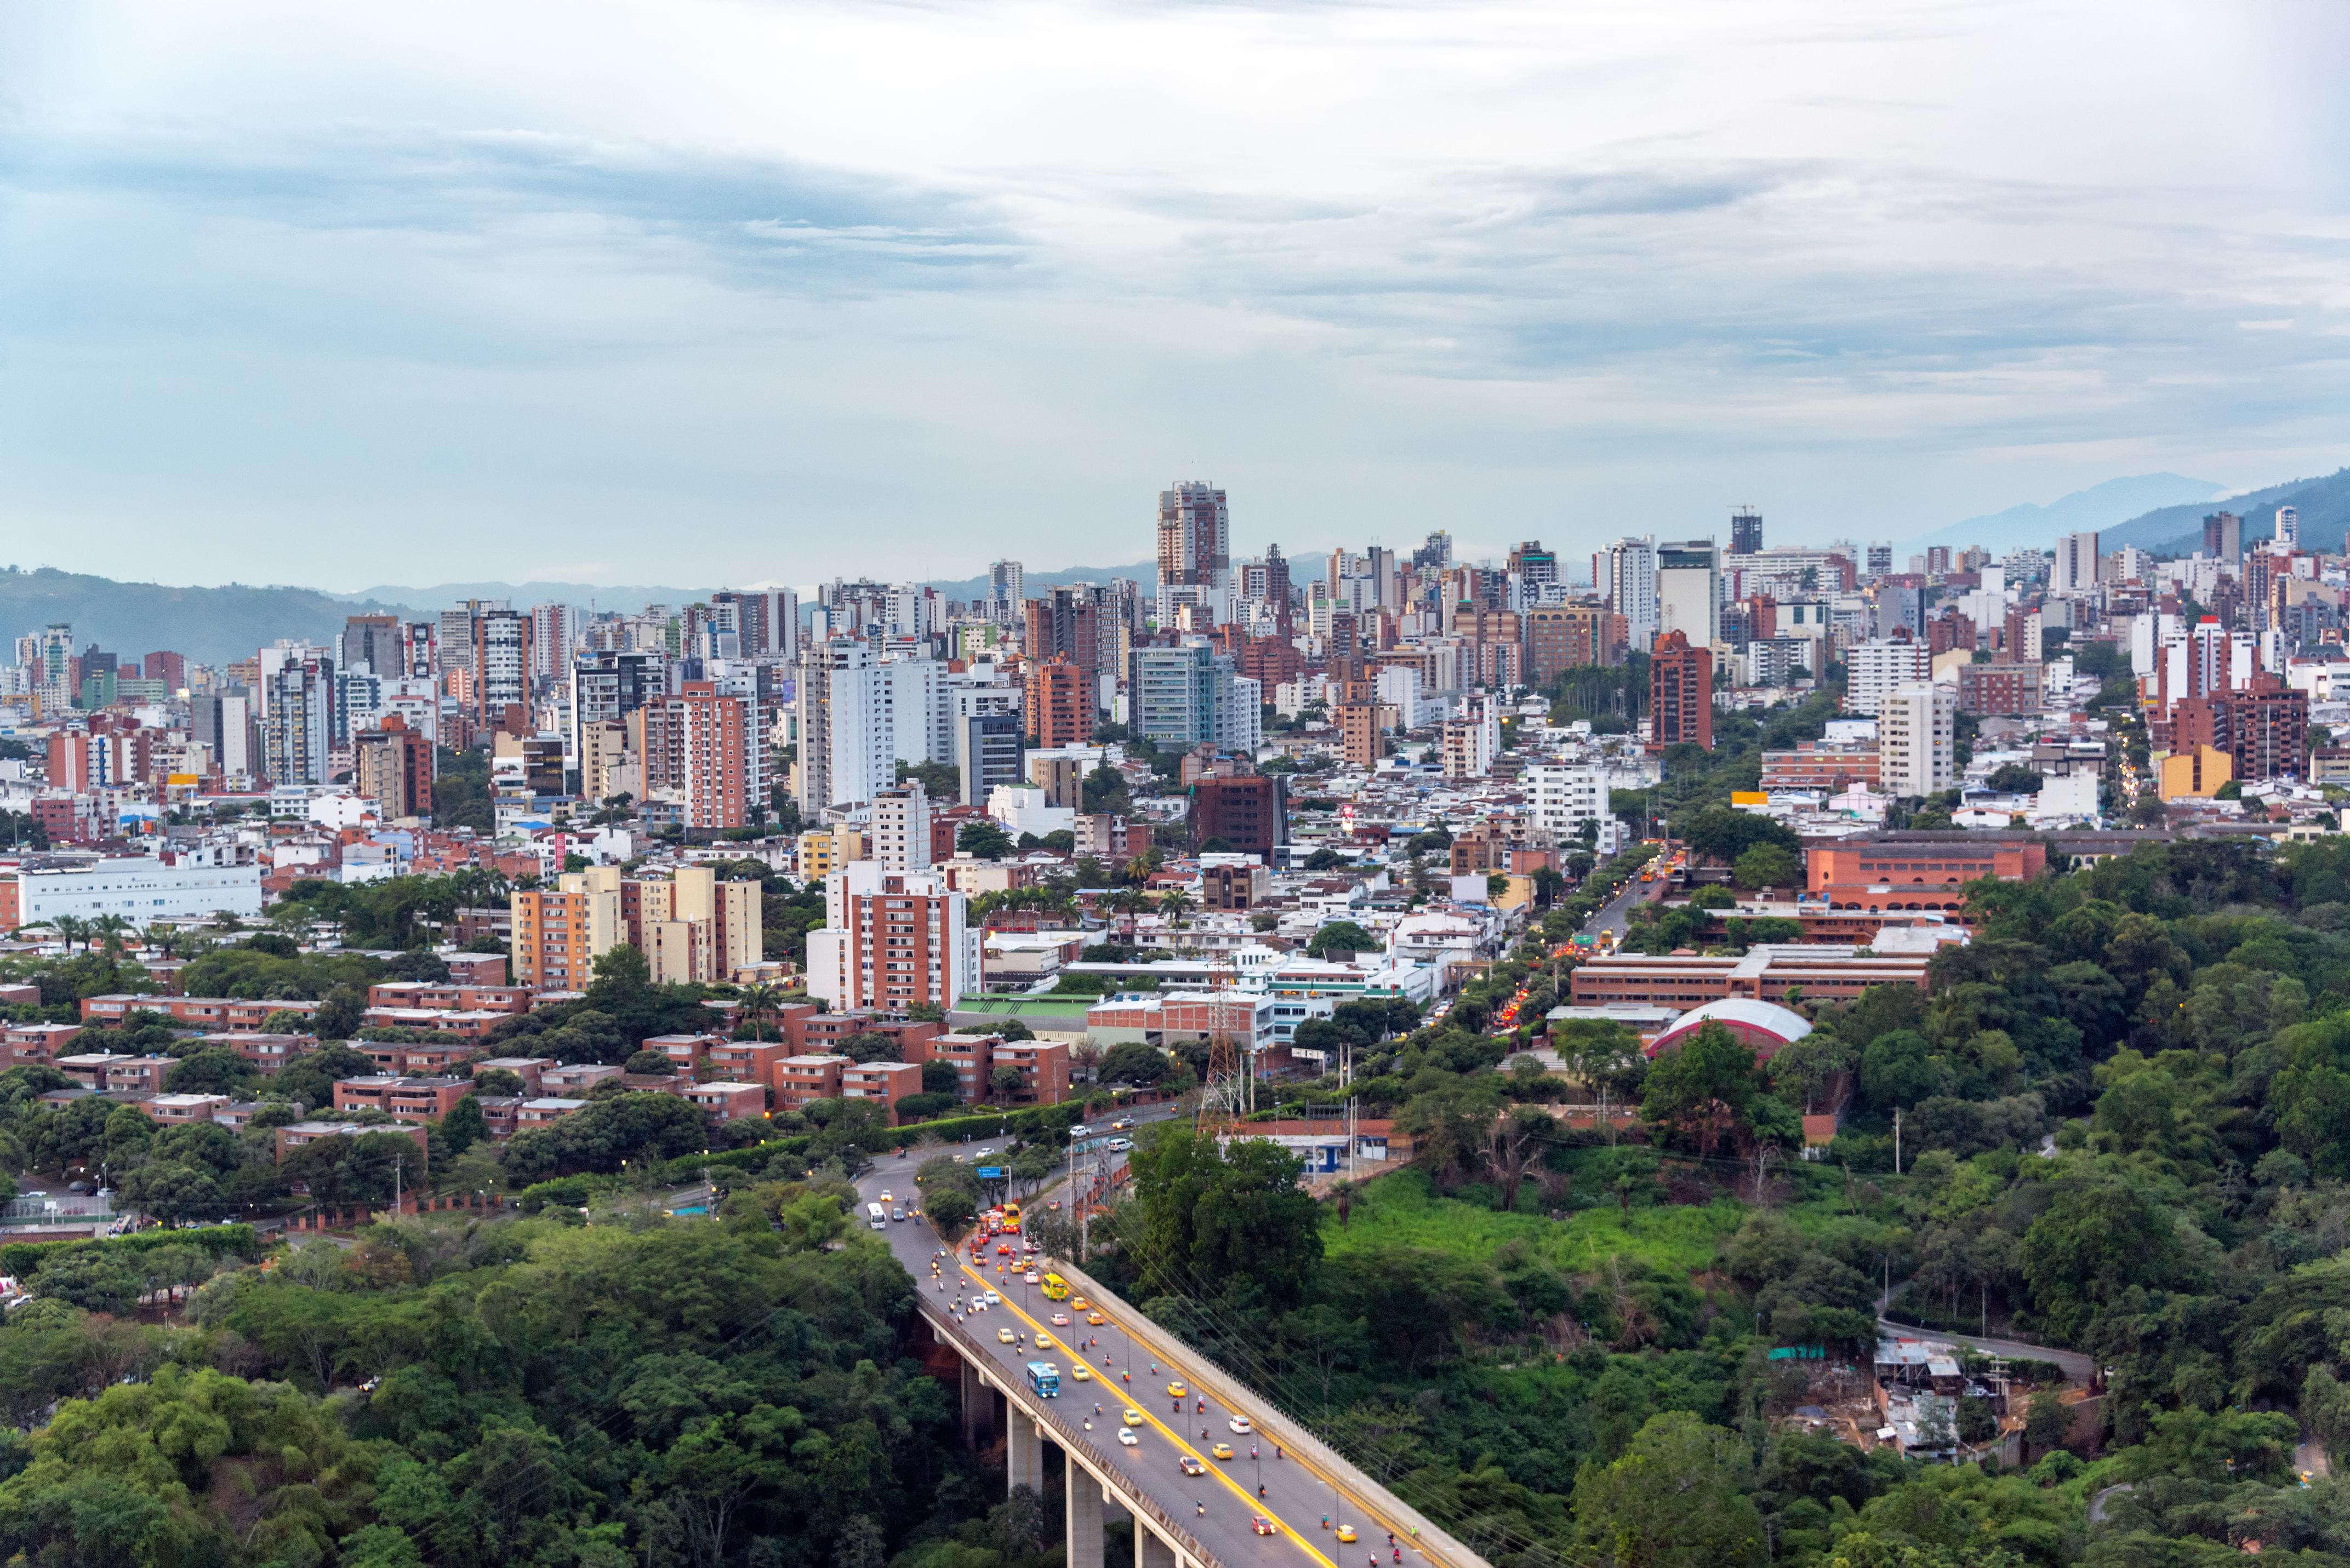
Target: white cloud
(344, 295)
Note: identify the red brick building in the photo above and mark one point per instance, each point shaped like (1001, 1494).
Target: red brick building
(799, 1080)
(1247, 811)
(1921, 871)
(1681, 693)
(195, 1011)
(1560, 637)
(883, 1082)
(392, 764)
(2264, 731)
(1822, 766)
(698, 744)
(404, 1099)
(2008, 689)
(1060, 702)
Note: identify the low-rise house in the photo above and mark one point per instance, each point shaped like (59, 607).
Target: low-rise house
(37, 1043)
(413, 1059)
(195, 1011)
(799, 1080)
(468, 1025)
(114, 1073)
(728, 1101)
(576, 1078)
(883, 1082)
(179, 1110)
(404, 1099)
(267, 1052)
(300, 1133)
(685, 1052)
(529, 1069)
(450, 996)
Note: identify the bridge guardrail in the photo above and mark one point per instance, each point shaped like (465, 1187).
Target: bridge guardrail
(1135, 1496)
(1434, 1541)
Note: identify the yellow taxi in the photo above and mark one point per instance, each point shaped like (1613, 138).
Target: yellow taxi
(1095, 1319)
(1177, 1391)
(1347, 1533)
(1044, 1340)
(1002, 1337)
(1082, 1372)
(1133, 1417)
(1221, 1452)
(1079, 1303)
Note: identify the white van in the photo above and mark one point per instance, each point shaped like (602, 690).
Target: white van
(877, 1217)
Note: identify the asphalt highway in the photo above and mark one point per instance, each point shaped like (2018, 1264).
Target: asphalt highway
(1218, 1506)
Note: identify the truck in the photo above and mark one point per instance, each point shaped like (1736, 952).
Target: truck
(1044, 1380)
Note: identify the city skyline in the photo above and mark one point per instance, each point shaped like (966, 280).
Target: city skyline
(842, 289)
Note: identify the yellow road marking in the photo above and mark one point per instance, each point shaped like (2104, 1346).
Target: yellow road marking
(1386, 1526)
(1255, 1503)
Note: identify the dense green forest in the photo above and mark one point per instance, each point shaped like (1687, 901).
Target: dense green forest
(2125, 1129)
(522, 1392)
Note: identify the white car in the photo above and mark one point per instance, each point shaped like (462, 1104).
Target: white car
(992, 1299)
(1126, 1437)
(1240, 1424)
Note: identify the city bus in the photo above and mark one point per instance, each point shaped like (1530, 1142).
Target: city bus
(1056, 1289)
(1044, 1380)
(877, 1217)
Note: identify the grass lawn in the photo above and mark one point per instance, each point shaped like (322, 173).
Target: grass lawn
(1402, 1210)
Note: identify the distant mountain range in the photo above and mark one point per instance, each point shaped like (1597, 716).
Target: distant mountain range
(1144, 572)
(2108, 506)
(445, 595)
(2162, 512)
(2325, 507)
(213, 625)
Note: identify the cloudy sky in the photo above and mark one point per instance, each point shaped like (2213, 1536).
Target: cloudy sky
(699, 292)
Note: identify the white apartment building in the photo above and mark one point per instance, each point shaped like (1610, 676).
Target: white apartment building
(2075, 569)
(1565, 797)
(921, 717)
(848, 726)
(1472, 741)
(1917, 727)
(1624, 574)
(181, 885)
(975, 691)
(1688, 591)
(891, 941)
(901, 828)
(1416, 707)
(1874, 668)
(1240, 716)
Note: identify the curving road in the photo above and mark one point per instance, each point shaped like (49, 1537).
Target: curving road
(1217, 1505)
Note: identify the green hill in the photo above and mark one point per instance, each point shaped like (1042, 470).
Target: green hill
(2178, 530)
(214, 624)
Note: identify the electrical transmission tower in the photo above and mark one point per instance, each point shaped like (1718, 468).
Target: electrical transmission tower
(1224, 1097)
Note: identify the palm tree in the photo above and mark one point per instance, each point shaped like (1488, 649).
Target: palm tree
(758, 1003)
(108, 931)
(1129, 902)
(70, 928)
(1174, 905)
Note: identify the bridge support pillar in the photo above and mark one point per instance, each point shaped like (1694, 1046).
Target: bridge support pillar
(1023, 1450)
(975, 1399)
(1150, 1552)
(1083, 1497)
